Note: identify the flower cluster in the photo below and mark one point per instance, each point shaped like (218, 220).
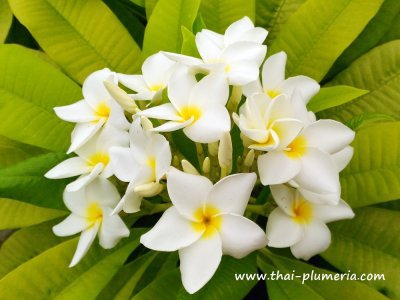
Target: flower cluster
(124, 140)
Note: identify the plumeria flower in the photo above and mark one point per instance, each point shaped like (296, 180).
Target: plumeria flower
(143, 164)
(300, 224)
(96, 110)
(156, 71)
(274, 82)
(198, 107)
(204, 223)
(269, 123)
(307, 163)
(91, 214)
(93, 159)
(239, 51)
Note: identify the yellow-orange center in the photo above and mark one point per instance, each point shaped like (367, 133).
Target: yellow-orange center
(103, 110)
(151, 162)
(94, 213)
(273, 93)
(99, 157)
(156, 87)
(190, 111)
(297, 148)
(208, 220)
(303, 211)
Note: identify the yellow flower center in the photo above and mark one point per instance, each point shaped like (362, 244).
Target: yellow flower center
(190, 111)
(227, 68)
(99, 157)
(303, 211)
(94, 213)
(297, 148)
(209, 221)
(273, 93)
(156, 87)
(102, 110)
(151, 162)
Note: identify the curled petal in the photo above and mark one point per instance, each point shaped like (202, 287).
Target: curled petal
(331, 213)
(85, 241)
(83, 132)
(112, 229)
(70, 225)
(79, 112)
(85, 179)
(273, 71)
(68, 168)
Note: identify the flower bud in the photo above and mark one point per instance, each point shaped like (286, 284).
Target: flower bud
(248, 161)
(213, 149)
(146, 123)
(225, 152)
(188, 167)
(206, 165)
(149, 189)
(126, 102)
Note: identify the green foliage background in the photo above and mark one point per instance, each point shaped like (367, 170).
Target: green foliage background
(47, 49)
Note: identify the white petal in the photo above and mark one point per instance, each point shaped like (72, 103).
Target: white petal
(134, 82)
(280, 108)
(252, 88)
(320, 198)
(232, 193)
(173, 126)
(306, 86)
(70, 225)
(85, 179)
(180, 85)
(157, 69)
(242, 72)
(255, 35)
(117, 116)
(318, 172)
(103, 191)
(210, 126)
(148, 95)
(199, 261)
(236, 30)
(93, 88)
(316, 239)
(164, 112)
(257, 135)
(328, 135)
(85, 241)
(240, 236)
(276, 167)
(187, 192)
(68, 168)
(282, 231)
(172, 232)
(273, 71)
(245, 51)
(343, 157)
(131, 201)
(287, 130)
(184, 59)
(209, 44)
(284, 196)
(83, 132)
(124, 164)
(212, 90)
(112, 229)
(76, 202)
(331, 213)
(163, 160)
(78, 112)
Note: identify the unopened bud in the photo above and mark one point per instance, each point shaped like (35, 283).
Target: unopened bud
(175, 161)
(248, 161)
(225, 152)
(206, 165)
(146, 123)
(149, 189)
(188, 167)
(213, 149)
(126, 102)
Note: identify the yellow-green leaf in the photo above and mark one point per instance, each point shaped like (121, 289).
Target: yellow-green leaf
(12, 152)
(5, 19)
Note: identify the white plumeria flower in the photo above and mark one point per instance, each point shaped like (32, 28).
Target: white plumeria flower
(93, 159)
(91, 209)
(143, 164)
(239, 51)
(94, 111)
(307, 163)
(269, 123)
(156, 71)
(198, 107)
(300, 224)
(205, 222)
(274, 82)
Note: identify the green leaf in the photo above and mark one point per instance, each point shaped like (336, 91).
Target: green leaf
(149, 6)
(325, 35)
(219, 14)
(163, 31)
(394, 31)
(29, 89)
(5, 19)
(189, 43)
(12, 152)
(81, 36)
(311, 289)
(272, 14)
(369, 38)
(373, 174)
(369, 244)
(186, 147)
(26, 244)
(16, 214)
(377, 71)
(334, 96)
(222, 286)
(48, 276)
(139, 2)
(366, 119)
(25, 181)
